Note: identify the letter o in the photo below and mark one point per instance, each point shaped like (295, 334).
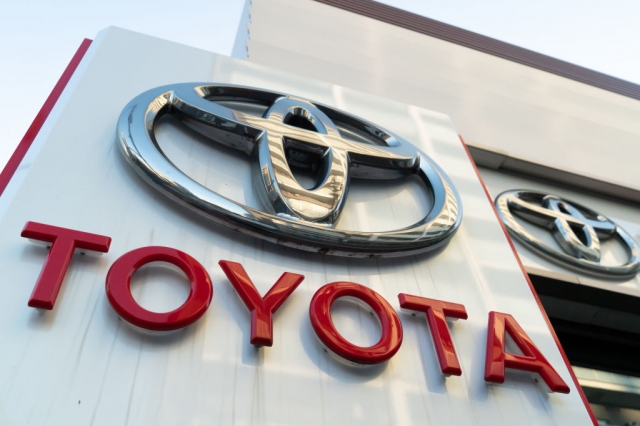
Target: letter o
(118, 288)
(320, 315)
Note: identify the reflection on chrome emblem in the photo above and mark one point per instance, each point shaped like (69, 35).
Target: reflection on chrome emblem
(577, 229)
(288, 131)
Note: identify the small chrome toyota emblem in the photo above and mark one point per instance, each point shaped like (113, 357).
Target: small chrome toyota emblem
(577, 229)
(289, 130)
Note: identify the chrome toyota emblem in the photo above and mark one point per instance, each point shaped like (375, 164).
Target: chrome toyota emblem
(577, 229)
(288, 130)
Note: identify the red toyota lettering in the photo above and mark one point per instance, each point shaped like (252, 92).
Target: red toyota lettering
(320, 314)
(118, 287)
(261, 308)
(63, 243)
(436, 312)
(497, 359)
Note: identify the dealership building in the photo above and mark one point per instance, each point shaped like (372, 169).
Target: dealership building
(479, 202)
(531, 122)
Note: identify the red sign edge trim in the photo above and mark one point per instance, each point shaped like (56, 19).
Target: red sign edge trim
(33, 130)
(533, 290)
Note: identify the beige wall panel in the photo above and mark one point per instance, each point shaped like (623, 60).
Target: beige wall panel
(494, 102)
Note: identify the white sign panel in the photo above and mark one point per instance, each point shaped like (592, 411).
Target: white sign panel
(258, 339)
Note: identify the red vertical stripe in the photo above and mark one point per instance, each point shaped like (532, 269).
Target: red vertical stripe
(32, 132)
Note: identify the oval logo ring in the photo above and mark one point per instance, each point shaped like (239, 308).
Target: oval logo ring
(578, 231)
(338, 145)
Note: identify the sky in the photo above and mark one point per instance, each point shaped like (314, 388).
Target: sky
(596, 34)
(39, 37)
